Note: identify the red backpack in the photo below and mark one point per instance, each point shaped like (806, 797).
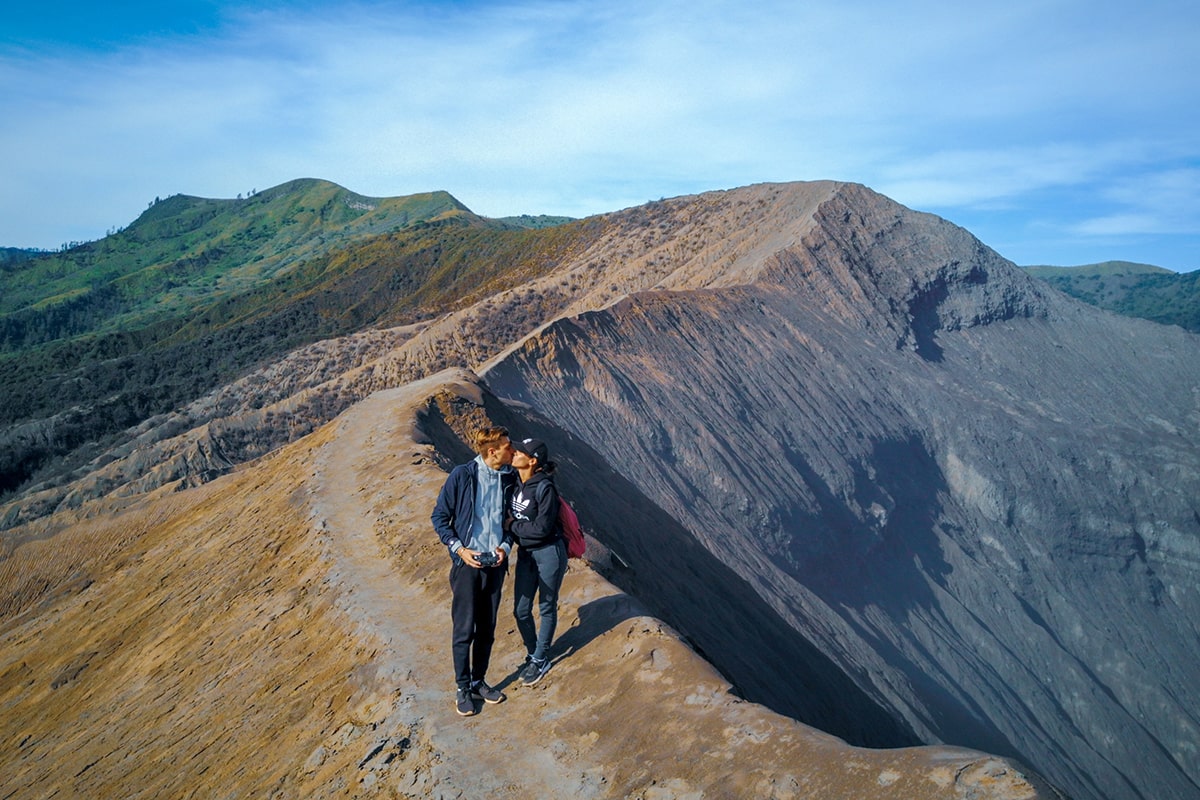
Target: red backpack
(572, 533)
(568, 523)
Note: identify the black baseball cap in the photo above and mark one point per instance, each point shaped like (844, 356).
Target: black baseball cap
(534, 448)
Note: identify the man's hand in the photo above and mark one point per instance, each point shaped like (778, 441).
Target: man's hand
(469, 557)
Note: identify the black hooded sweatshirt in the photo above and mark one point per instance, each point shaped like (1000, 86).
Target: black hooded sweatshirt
(534, 509)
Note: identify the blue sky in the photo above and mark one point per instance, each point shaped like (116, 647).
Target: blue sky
(1058, 131)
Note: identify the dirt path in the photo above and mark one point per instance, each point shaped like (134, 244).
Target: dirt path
(433, 751)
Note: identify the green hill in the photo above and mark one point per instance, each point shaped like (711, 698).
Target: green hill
(10, 257)
(531, 221)
(184, 252)
(1104, 268)
(1135, 290)
(196, 292)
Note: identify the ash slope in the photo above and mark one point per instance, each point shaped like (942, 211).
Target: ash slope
(970, 495)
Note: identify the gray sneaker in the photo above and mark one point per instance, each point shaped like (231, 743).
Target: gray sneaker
(534, 671)
(487, 693)
(465, 703)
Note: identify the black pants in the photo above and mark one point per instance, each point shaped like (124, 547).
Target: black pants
(473, 610)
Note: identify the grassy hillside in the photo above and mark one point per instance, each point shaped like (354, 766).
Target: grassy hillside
(531, 221)
(1135, 290)
(1103, 269)
(120, 333)
(10, 257)
(185, 252)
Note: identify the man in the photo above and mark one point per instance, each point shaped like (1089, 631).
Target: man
(469, 519)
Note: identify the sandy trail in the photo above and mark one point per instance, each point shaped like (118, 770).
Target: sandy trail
(496, 753)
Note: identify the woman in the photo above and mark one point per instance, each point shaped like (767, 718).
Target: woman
(542, 557)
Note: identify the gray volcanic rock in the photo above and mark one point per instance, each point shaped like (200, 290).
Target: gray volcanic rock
(963, 507)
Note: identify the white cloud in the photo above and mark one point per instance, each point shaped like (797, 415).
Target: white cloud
(987, 177)
(1165, 202)
(584, 107)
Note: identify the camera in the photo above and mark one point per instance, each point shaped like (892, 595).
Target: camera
(487, 559)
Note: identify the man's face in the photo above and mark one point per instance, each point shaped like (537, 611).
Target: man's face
(502, 453)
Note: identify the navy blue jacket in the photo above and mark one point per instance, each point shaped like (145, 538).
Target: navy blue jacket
(455, 505)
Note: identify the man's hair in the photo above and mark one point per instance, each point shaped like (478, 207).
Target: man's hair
(488, 438)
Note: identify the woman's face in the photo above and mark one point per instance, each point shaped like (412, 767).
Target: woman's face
(520, 460)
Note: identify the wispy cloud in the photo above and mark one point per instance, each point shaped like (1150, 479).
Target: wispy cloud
(578, 108)
(1165, 202)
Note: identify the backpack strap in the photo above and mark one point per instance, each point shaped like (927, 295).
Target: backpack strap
(540, 496)
(542, 488)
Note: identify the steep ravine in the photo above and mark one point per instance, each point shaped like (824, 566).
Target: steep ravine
(937, 472)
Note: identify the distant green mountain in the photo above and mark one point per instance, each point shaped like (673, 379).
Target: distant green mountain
(196, 292)
(1103, 268)
(531, 221)
(10, 257)
(185, 252)
(1135, 290)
